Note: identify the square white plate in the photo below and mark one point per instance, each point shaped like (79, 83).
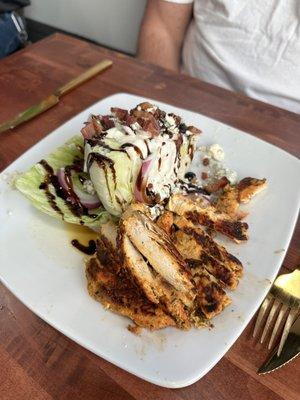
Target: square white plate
(39, 266)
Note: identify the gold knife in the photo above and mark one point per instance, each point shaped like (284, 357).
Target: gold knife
(290, 350)
(53, 99)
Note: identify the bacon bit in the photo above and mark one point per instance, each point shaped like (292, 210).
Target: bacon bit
(136, 330)
(147, 121)
(141, 114)
(144, 106)
(205, 161)
(130, 120)
(149, 126)
(193, 130)
(107, 122)
(90, 128)
(204, 175)
(119, 113)
(219, 184)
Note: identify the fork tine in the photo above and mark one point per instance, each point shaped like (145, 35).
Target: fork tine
(289, 322)
(261, 314)
(273, 310)
(279, 319)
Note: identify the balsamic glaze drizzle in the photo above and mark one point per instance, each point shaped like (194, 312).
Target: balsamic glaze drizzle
(89, 250)
(69, 196)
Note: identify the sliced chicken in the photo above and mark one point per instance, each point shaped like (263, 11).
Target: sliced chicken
(249, 187)
(228, 201)
(107, 245)
(211, 298)
(120, 295)
(204, 243)
(200, 211)
(191, 249)
(139, 269)
(232, 196)
(165, 221)
(153, 243)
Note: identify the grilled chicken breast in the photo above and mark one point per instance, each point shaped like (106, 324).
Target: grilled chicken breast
(120, 295)
(211, 298)
(154, 287)
(201, 211)
(249, 187)
(232, 196)
(228, 201)
(169, 273)
(153, 243)
(207, 244)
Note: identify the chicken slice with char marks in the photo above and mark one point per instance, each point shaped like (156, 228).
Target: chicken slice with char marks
(204, 242)
(192, 250)
(200, 211)
(232, 196)
(211, 298)
(153, 243)
(119, 294)
(155, 288)
(249, 187)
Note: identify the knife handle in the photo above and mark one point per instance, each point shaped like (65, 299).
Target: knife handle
(88, 74)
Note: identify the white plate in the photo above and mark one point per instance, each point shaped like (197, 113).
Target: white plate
(39, 266)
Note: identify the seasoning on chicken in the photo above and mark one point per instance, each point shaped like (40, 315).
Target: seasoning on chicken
(119, 294)
(249, 187)
(229, 201)
(200, 211)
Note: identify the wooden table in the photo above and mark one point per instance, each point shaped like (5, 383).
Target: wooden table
(36, 361)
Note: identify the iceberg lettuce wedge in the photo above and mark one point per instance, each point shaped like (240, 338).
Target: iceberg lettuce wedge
(29, 185)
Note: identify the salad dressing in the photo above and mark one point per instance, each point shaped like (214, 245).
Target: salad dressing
(90, 249)
(101, 161)
(82, 238)
(136, 148)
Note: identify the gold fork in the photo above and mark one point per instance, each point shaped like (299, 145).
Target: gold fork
(284, 298)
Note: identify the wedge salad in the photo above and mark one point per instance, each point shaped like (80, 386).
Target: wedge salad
(136, 155)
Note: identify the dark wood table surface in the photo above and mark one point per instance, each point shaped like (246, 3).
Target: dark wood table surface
(36, 361)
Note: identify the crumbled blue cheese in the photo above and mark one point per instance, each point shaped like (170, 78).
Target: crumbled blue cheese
(156, 211)
(216, 152)
(135, 126)
(89, 187)
(216, 168)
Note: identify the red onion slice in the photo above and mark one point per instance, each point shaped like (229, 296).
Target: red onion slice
(62, 179)
(140, 192)
(90, 201)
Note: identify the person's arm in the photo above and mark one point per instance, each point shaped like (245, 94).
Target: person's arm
(162, 32)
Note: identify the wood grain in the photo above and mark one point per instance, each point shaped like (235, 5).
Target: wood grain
(36, 361)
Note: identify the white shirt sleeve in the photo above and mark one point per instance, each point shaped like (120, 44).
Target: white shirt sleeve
(180, 1)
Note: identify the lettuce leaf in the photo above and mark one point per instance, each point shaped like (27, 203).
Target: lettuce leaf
(29, 182)
(115, 189)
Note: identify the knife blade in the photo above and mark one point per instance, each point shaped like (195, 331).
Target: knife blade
(53, 99)
(290, 350)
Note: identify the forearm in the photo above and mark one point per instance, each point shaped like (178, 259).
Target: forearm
(162, 32)
(157, 47)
